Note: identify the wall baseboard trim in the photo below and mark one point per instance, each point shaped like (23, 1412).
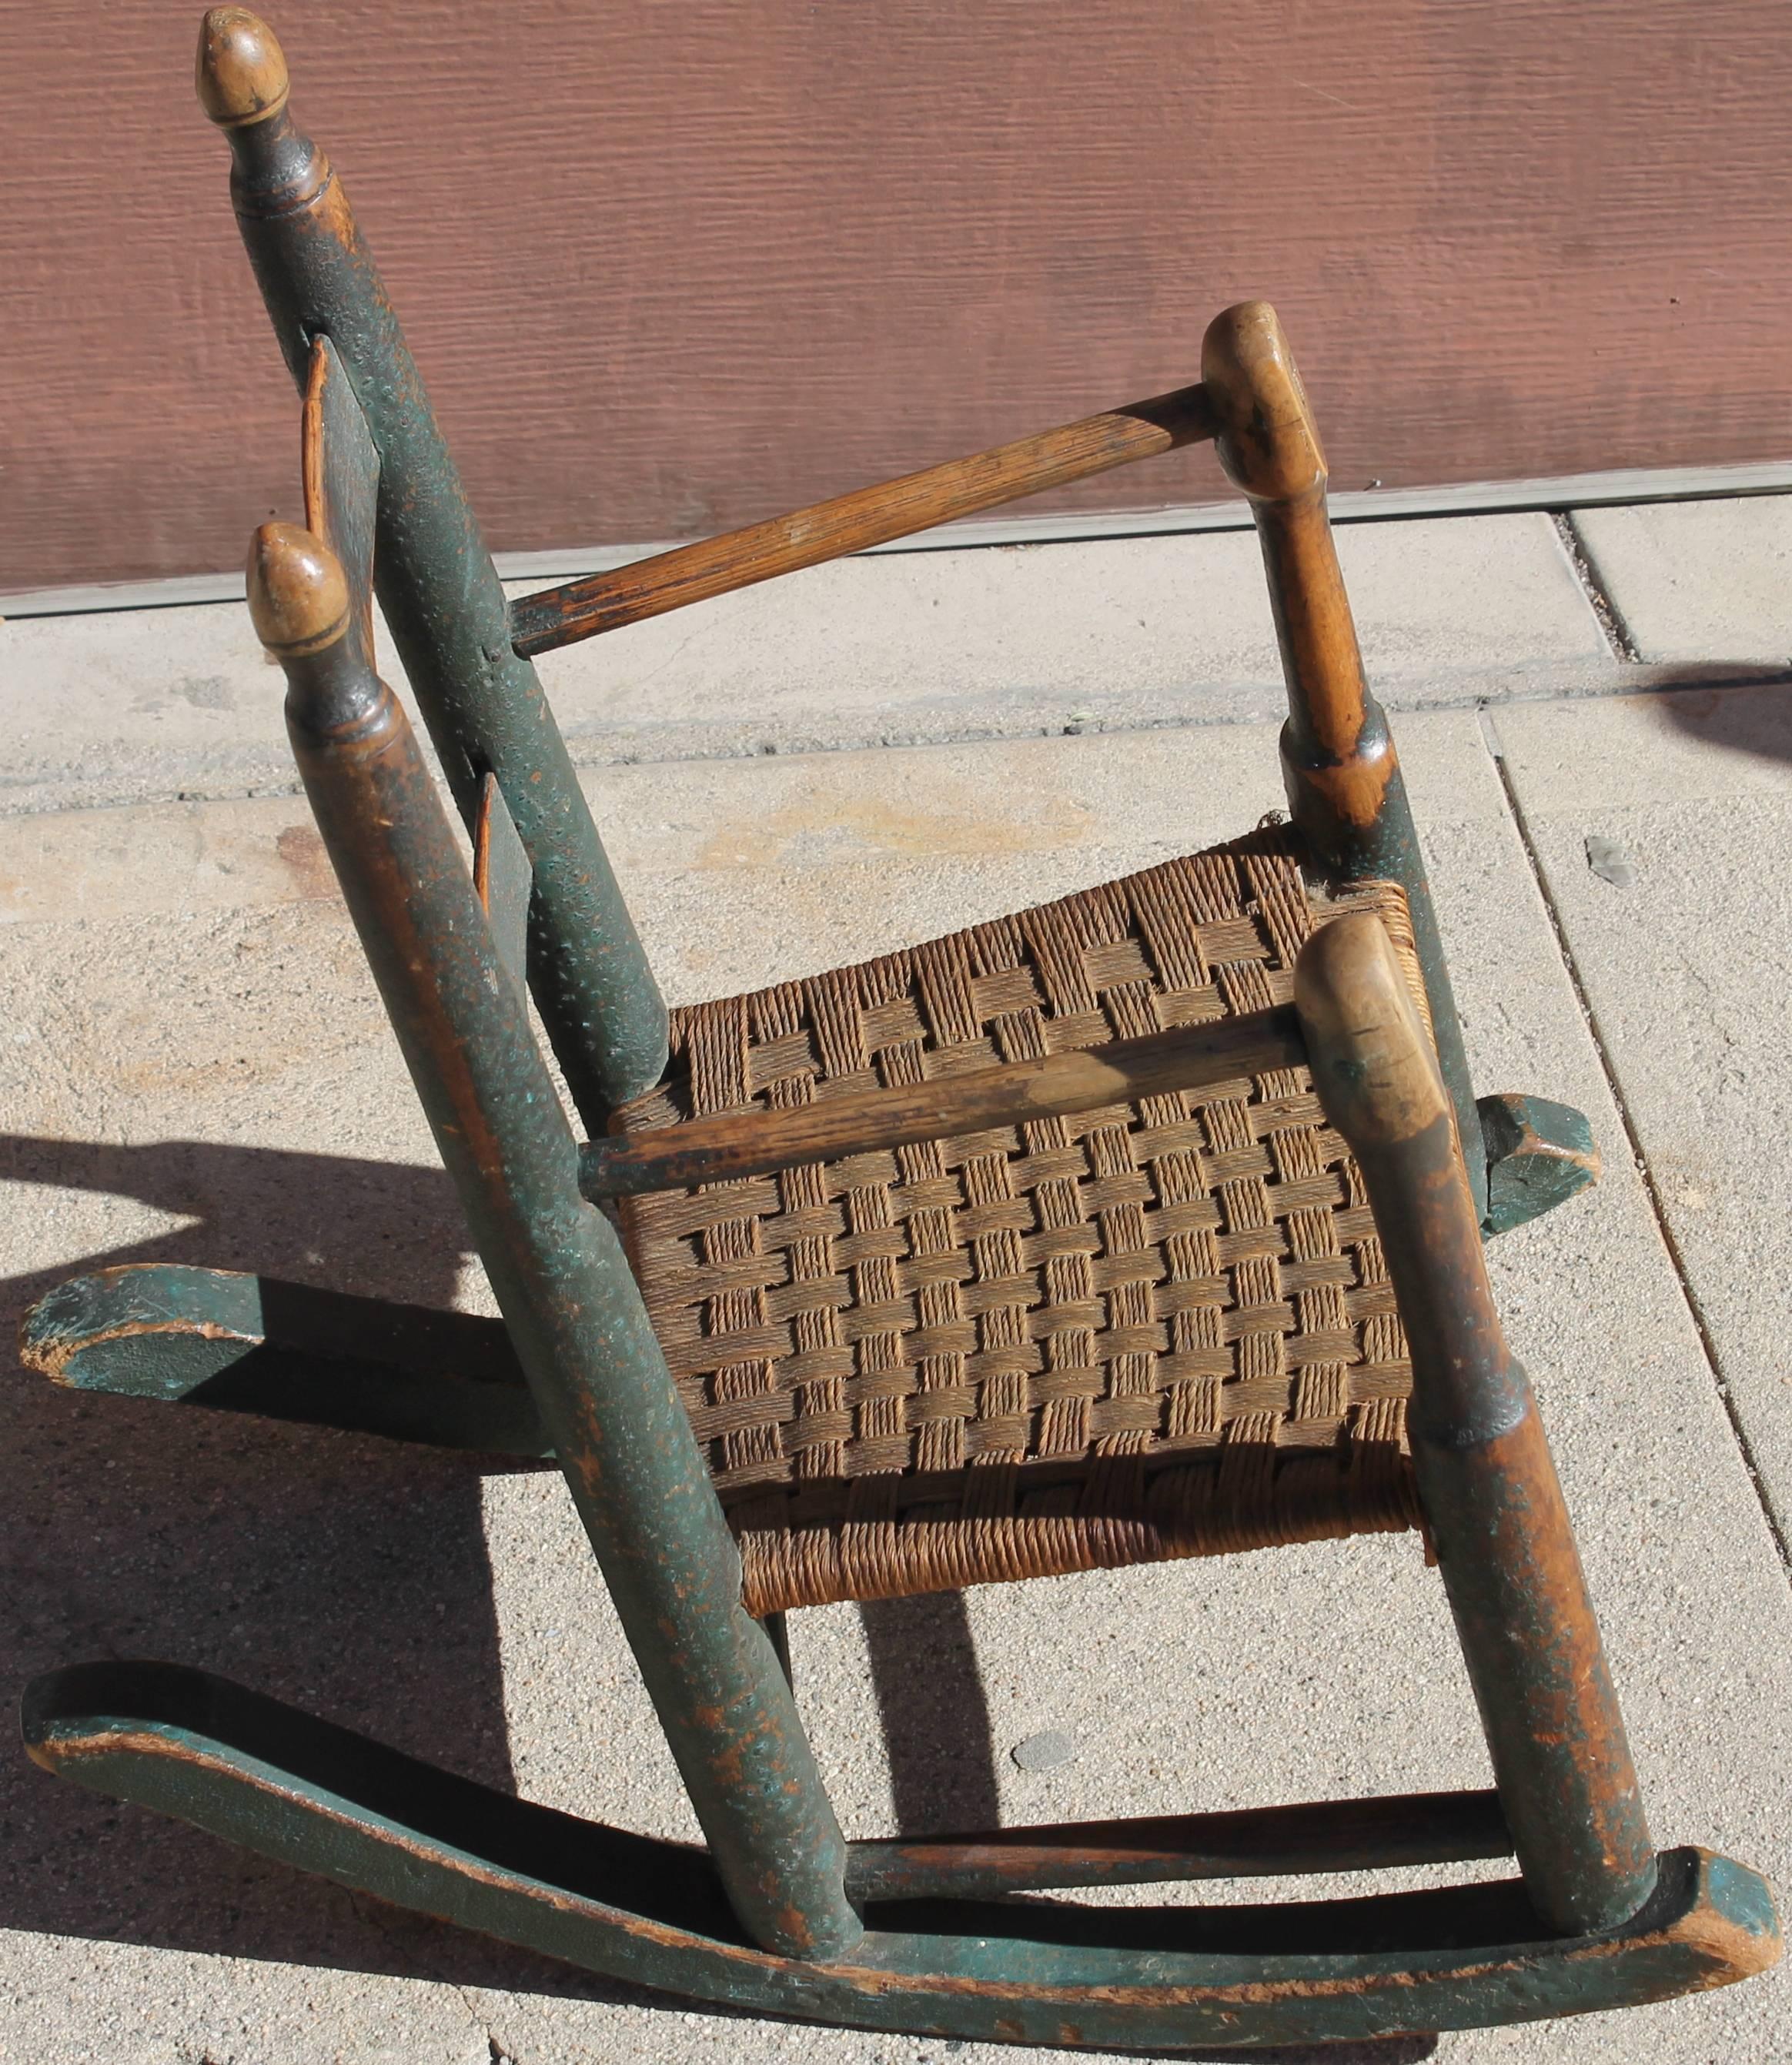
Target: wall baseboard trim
(1475, 498)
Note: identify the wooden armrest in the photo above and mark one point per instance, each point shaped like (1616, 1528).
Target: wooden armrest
(756, 1143)
(853, 523)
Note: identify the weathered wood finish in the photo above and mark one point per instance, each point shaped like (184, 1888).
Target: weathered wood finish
(216, 1338)
(1539, 1154)
(1494, 1509)
(1343, 777)
(439, 590)
(306, 604)
(597, 1374)
(240, 70)
(1255, 1842)
(763, 1919)
(502, 876)
(341, 471)
(1016, 1971)
(853, 523)
(241, 1344)
(1345, 792)
(714, 1150)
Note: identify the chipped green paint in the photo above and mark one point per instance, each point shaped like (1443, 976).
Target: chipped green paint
(762, 1920)
(606, 1397)
(1539, 1154)
(1014, 1971)
(240, 1344)
(484, 706)
(1388, 851)
(1485, 1480)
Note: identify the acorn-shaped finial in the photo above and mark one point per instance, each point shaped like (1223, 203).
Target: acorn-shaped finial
(298, 595)
(241, 71)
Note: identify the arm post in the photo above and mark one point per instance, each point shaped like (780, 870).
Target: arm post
(1486, 1478)
(1345, 790)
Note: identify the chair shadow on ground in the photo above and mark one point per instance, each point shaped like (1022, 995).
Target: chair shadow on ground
(1751, 716)
(343, 1573)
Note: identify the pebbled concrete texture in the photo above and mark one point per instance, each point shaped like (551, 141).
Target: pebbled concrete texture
(1037, 638)
(1007, 640)
(1684, 970)
(1708, 581)
(193, 1066)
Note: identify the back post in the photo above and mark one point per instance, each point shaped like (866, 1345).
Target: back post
(608, 1404)
(1345, 790)
(483, 705)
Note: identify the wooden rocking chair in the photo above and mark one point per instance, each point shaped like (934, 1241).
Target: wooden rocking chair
(1145, 1224)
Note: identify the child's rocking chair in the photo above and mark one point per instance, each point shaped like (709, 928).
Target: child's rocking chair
(1143, 1224)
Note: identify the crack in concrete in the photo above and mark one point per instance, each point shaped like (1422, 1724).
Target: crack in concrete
(376, 1914)
(498, 2055)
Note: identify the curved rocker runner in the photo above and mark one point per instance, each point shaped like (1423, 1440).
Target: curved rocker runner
(1145, 1224)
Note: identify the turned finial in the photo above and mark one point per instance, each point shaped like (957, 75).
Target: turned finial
(298, 595)
(1267, 439)
(241, 71)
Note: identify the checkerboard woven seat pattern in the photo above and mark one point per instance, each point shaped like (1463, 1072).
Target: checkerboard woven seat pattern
(1152, 1331)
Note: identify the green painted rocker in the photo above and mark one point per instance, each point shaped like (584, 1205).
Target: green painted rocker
(1145, 1224)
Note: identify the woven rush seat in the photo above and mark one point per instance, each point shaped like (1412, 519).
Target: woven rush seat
(1153, 1330)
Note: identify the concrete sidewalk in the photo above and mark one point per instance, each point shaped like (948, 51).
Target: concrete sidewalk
(193, 1067)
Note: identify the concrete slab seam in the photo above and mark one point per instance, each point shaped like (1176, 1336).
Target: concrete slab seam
(1707, 1345)
(1599, 597)
(1548, 493)
(594, 749)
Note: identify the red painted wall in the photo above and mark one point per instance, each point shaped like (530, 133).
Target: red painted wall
(668, 267)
